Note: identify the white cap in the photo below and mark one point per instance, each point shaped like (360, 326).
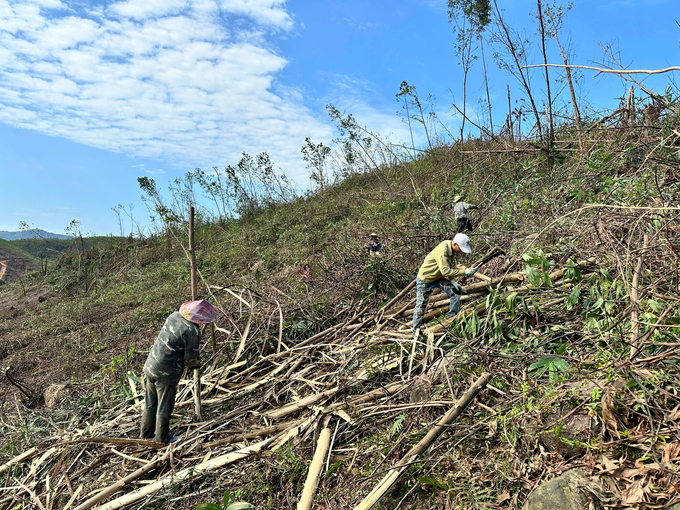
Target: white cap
(463, 242)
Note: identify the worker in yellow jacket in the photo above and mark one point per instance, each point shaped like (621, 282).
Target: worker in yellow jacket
(437, 272)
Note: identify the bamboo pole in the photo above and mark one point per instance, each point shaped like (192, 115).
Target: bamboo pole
(302, 403)
(194, 296)
(393, 474)
(307, 497)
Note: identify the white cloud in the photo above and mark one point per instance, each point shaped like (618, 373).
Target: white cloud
(137, 9)
(192, 82)
(271, 12)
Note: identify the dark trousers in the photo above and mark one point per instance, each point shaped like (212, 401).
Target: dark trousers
(423, 296)
(464, 224)
(159, 401)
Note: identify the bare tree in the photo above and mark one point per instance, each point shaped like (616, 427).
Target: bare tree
(554, 17)
(511, 55)
(471, 18)
(549, 106)
(316, 157)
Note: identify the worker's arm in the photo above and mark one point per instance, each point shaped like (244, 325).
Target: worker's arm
(192, 343)
(446, 270)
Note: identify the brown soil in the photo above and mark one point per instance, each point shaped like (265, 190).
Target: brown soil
(14, 265)
(61, 353)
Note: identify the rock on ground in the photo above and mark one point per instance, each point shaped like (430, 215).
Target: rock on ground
(561, 493)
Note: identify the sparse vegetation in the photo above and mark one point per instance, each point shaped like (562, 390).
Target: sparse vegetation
(588, 330)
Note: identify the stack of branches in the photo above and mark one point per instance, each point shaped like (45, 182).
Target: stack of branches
(282, 394)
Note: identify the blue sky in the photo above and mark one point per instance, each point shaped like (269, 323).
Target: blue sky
(95, 94)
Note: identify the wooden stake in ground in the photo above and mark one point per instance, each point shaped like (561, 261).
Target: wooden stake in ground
(446, 420)
(307, 498)
(194, 297)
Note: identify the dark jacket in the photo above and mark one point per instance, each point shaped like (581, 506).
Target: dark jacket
(176, 346)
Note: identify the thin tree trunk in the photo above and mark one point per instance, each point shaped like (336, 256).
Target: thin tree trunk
(574, 104)
(442, 425)
(551, 131)
(486, 84)
(511, 127)
(520, 69)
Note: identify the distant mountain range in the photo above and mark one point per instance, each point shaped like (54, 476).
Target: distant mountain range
(30, 234)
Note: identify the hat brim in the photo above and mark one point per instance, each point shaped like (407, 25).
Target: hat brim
(465, 248)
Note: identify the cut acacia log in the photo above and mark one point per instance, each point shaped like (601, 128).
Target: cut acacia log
(18, 459)
(263, 432)
(442, 305)
(101, 496)
(307, 498)
(302, 403)
(503, 280)
(198, 469)
(555, 277)
(387, 391)
(114, 440)
(446, 420)
(396, 298)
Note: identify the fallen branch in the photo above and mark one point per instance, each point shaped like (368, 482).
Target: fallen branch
(19, 458)
(612, 71)
(393, 474)
(101, 496)
(398, 296)
(635, 301)
(307, 497)
(190, 472)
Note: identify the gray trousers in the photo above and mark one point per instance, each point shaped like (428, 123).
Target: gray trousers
(159, 401)
(425, 291)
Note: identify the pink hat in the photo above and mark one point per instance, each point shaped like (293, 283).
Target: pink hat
(200, 312)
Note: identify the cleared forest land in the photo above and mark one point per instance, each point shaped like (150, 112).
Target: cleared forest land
(577, 326)
(14, 262)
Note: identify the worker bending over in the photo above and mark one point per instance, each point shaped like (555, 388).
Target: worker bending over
(437, 272)
(460, 211)
(175, 347)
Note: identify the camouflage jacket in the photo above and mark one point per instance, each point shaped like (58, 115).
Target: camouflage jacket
(176, 345)
(461, 208)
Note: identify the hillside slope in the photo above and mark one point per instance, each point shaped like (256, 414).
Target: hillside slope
(14, 262)
(578, 327)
